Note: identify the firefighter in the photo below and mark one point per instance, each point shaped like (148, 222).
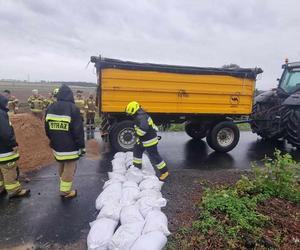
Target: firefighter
(90, 112)
(13, 102)
(36, 103)
(146, 131)
(64, 128)
(80, 102)
(8, 156)
(51, 99)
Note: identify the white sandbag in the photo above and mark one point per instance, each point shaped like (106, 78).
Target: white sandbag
(151, 182)
(111, 194)
(150, 241)
(110, 211)
(148, 204)
(130, 184)
(130, 214)
(112, 181)
(129, 155)
(150, 193)
(134, 174)
(101, 232)
(130, 193)
(156, 221)
(121, 155)
(117, 176)
(125, 236)
(118, 166)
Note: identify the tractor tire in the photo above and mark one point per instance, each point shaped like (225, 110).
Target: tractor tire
(223, 137)
(271, 128)
(122, 136)
(291, 121)
(195, 130)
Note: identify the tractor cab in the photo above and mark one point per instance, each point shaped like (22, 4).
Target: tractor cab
(289, 82)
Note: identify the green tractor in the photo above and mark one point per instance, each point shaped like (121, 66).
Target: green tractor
(276, 113)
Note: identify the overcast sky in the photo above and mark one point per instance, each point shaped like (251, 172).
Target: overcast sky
(53, 40)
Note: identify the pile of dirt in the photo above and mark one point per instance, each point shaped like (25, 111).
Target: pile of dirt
(33, 142)
(92, 149)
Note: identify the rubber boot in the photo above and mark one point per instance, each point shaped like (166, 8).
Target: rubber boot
(164, 176)
(22, 193)
(72, 194)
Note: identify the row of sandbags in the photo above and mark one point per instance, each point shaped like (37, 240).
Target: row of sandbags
(130, 205)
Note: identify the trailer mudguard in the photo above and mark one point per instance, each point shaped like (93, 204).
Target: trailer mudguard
(265, 97)
(292, 100)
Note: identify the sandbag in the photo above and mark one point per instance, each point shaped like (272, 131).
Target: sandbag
(151, 182)
(150, 241)
(117, 176)
(101, 232)
(147, 204)
(156, 221)
(130, 214)
(125, 236)
(150, 193)
(110, 211)
(118, 166)
(130, 193)
(111, 194)
(121, 155)
(134, 174)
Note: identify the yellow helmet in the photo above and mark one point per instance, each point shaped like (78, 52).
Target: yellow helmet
(132, 108)
(55, 91)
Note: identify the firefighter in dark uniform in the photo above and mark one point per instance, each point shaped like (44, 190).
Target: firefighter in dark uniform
(146, 132)
(90, 113)
(64, 128)
(8, 156)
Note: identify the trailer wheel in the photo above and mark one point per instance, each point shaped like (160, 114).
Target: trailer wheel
(195, 130)
(223, 137)
(122, 136)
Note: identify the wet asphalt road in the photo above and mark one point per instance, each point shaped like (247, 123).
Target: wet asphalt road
(45, 219)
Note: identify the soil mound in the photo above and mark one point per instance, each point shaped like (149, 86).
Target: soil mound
(33, 142)
(93, 149)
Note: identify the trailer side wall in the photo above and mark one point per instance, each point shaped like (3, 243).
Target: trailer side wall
(172, 93)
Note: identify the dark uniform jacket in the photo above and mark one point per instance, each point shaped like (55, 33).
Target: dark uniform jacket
(145, 128)
(7, 135)
(64, 127)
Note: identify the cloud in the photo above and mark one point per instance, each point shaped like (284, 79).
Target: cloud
(53, 40)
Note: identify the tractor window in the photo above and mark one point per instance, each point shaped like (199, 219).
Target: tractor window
(290, 81)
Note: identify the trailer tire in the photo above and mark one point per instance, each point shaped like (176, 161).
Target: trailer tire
(122, 136)
(223, 137)
(195, 130)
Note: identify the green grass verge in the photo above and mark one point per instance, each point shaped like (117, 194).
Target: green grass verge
(230, 213)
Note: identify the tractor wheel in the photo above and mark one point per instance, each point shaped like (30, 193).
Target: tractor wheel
(122, 136)
(291, 121)
(195, 130)
(266, 121)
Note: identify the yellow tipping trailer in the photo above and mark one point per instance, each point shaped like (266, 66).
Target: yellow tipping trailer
(201, 97)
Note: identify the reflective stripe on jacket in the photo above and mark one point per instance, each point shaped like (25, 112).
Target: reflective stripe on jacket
(145, 128)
